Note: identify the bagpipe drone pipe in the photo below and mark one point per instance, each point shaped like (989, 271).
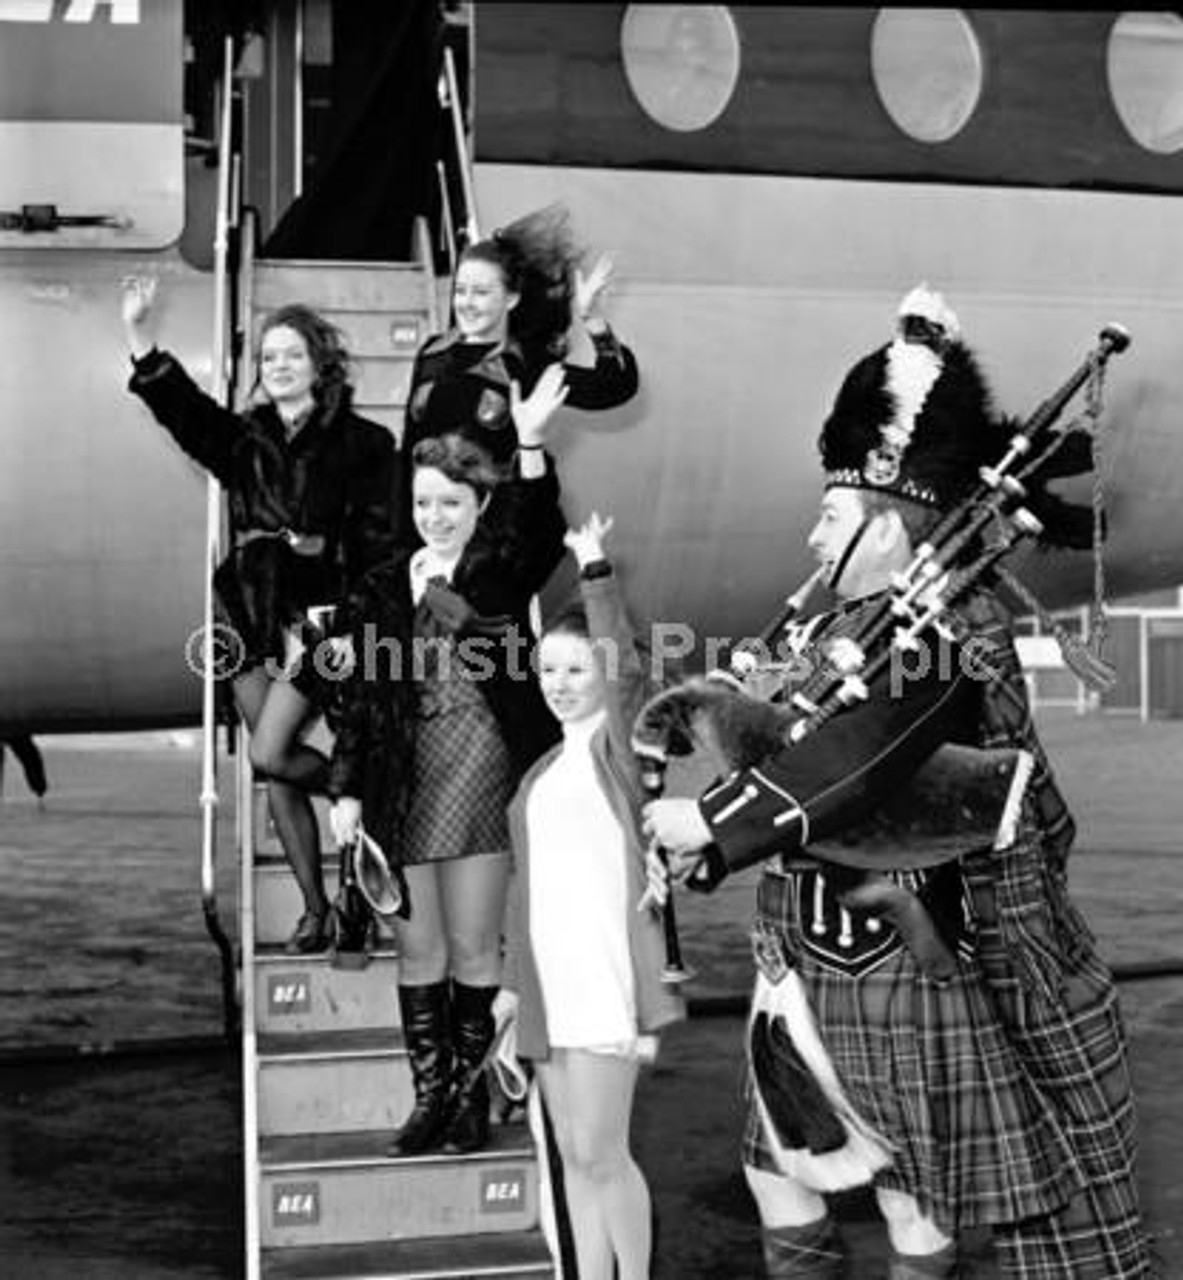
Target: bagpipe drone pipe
(959, 800)
(958, 797)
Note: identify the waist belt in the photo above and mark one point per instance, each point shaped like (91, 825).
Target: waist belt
(303, 544)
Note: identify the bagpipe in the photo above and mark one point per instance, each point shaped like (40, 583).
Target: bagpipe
(747, 713)
(960, 799)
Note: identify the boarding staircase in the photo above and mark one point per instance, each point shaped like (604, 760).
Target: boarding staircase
(325, 1076)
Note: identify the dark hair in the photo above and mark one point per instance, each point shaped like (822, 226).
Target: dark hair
(536, 256)
(459, 459)
(570, 621)
(326, 350)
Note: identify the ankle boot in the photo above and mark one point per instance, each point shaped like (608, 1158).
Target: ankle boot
(472, 1034)
(427, 1030)
(941, 1265)
(811, 1252)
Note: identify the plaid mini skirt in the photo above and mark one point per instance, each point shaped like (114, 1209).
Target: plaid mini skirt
(463, 781)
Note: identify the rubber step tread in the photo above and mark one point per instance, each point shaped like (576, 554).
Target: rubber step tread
(510, 1255)
(506, 1141)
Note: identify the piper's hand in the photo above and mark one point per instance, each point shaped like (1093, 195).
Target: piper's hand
(345, 821)
(587, 542)
(678, 826)
(657, 878)
(590, 288)
(532, 415)
(138, 294)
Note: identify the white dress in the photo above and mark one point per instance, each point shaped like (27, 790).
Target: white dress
(579, 900)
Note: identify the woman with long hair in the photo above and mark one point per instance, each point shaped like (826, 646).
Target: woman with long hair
(310, 486)
(515, 298)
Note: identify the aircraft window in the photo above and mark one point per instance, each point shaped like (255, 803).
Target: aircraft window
(1145, 66)
(681, 62)
(927, 68)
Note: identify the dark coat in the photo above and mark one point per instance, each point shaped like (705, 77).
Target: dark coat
(517, 544)
(336, 479)
(463, 388)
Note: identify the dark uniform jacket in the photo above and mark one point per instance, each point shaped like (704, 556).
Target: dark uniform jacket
(463, 388)
(840, 774)
(309, 515)
(517, 544)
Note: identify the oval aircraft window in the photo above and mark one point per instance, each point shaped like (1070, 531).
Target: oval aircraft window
(681, 61)
(927, 67)
(1145, 66)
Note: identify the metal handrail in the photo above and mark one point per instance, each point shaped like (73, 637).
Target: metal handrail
(424, 256)
(213, 522)
(460, 142)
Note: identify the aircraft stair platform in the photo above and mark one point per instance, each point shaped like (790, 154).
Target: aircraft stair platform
(326, 1083)
(325, 1075)
(385, 310)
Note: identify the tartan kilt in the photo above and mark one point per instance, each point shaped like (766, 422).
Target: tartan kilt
(463, 779)
(931, 1068)
(1059, 1004)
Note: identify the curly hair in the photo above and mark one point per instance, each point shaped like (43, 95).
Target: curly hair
(536, 256)
(459, 460)
(326, 349)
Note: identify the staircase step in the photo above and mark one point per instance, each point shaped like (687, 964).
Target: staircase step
(344, 1189)
(523, 1256)
(381, 380)
(278, 903)
(339, 286)
(392, 335)
(333, 1082)
(296, 994)
(266, 837)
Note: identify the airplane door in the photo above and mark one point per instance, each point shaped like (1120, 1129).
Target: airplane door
(91, 123)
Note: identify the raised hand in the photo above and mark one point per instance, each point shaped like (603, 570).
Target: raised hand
(590, 288)
(138, 294)
(587, 542)
(137, 298)
(532, 414)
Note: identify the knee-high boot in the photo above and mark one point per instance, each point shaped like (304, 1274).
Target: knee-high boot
(472, 1034)
(941, 1265)
(811, 1252)
(427, 1028)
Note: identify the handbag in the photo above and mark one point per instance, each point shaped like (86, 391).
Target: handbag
(382, 886)
(351, 920)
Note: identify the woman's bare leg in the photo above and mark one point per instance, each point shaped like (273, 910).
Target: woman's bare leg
(599, 1170)
(589, 1229)
(472, 893)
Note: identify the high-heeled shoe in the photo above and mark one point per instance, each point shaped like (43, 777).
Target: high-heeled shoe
(310, 934)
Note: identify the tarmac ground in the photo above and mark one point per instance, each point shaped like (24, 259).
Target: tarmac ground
(119, 1138)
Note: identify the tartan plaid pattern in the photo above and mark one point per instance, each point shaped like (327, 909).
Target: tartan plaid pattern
(463, 778)
(931, 1069)
(1038, 1007)
(1059, 1005)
